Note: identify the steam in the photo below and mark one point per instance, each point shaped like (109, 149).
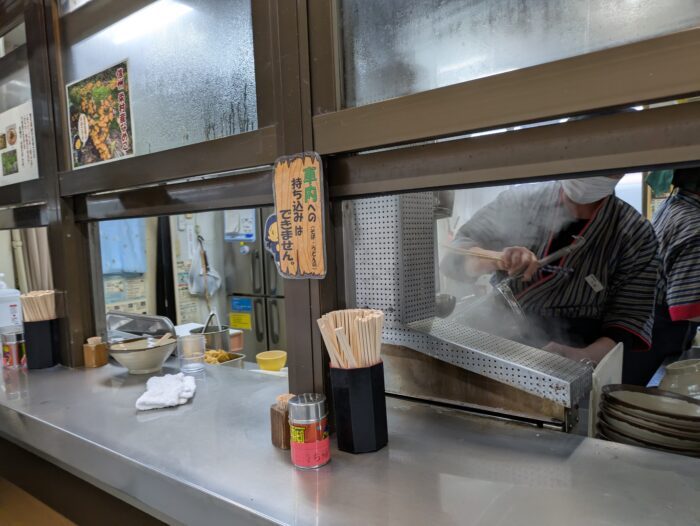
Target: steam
(522, 215)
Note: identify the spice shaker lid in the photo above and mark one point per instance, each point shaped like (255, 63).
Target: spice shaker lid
(307, 407)
(13, 337)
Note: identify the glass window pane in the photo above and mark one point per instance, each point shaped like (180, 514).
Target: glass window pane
(191, 74)
(15, 89)
(155, 266)
(66, 6)
(13, 39)
(398, 47)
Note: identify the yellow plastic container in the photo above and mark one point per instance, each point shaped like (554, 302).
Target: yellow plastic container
(271, 360)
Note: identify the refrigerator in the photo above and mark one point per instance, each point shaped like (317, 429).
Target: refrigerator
(254, 289)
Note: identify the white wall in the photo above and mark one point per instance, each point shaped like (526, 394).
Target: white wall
(7, 265)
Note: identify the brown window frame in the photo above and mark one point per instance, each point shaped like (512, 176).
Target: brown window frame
(298, 59)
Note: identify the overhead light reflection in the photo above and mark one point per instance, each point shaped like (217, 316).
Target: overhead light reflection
(148, 20)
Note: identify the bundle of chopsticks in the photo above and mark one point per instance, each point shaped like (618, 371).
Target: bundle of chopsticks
(39, 305)
(353, 337)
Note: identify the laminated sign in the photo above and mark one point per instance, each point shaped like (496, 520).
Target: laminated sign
(294, 234)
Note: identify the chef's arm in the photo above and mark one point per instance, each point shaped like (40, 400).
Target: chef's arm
(594, 352)
(514, 260)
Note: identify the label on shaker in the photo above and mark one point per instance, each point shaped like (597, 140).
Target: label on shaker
(310, 444)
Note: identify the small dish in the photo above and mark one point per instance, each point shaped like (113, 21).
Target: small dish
(683, 378)
(621, 438)
(271, 360)
(651, 437)
(650, 424)
(654, 401)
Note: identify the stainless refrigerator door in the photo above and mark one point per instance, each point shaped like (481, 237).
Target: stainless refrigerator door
(244, 267)
(274, 283)
(250, 311)
(276, 326)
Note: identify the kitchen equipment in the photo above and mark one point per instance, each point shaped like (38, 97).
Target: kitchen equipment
(13, 350)
(39, 305)
(612, 435)
(254, 287)
(271, 360)
(308, 431)
(125, 326)
(610, 412)
(608, 371)
(444, 305)
(10, 308)
(279, 421)
(359, 408)
(142, 356)
(353, 337)
(683, 378)
(41, 328)
(654, 402)
(217, 336)
(203, 280)
(391, 245)
(43, 343)
(667, 422)
(236, 361)
(95, 352)
(191, 351)
(657, 438)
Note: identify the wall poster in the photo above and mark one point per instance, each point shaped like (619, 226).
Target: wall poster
(18, 160)
(99, 115)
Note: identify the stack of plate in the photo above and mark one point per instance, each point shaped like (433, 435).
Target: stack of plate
(650, 418)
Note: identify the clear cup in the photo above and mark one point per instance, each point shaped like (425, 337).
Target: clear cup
(190, 350)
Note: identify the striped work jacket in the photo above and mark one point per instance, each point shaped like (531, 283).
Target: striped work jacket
(614, 274)
(677, 225)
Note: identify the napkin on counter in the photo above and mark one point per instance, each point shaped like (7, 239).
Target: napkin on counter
(166, 391)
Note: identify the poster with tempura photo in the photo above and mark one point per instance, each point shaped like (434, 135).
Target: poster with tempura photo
(18, 161)
(99, 115)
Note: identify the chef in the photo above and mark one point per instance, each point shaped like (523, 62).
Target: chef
(600, 294)
(677, 226)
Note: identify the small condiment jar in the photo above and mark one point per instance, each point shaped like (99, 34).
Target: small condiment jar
(13, 350)
(308, 430)
(95, 353)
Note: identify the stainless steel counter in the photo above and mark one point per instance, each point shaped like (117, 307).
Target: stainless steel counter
(211, 462)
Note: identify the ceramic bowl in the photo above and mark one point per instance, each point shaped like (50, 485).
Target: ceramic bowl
(271, 360)
(666, 421)
(653, 401)
(646, 435)
(682, 378)
(142, 356)
(613, 412)
(615, 436)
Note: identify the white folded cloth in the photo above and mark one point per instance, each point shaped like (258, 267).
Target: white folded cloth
(166, 391)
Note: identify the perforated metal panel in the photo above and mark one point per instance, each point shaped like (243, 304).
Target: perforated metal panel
(533, 370)
(393, 252)
(394, 256)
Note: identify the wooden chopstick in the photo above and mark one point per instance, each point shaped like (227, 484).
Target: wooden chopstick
(472, 253)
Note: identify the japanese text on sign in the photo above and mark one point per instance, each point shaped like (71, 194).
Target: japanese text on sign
(298, 185)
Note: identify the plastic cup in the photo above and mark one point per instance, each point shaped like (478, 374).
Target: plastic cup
(190, 350)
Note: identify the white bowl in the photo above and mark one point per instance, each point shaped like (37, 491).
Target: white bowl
(613, 412)
(654, 401)
(143, 356)
(648, 436)
(683, 378)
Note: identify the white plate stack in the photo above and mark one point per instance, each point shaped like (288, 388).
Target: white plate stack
(649, 417)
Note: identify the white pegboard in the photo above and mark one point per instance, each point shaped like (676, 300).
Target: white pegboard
(394, 259)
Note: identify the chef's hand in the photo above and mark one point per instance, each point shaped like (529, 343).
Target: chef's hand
(572, 353)
(519, 260)
(592, 354)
